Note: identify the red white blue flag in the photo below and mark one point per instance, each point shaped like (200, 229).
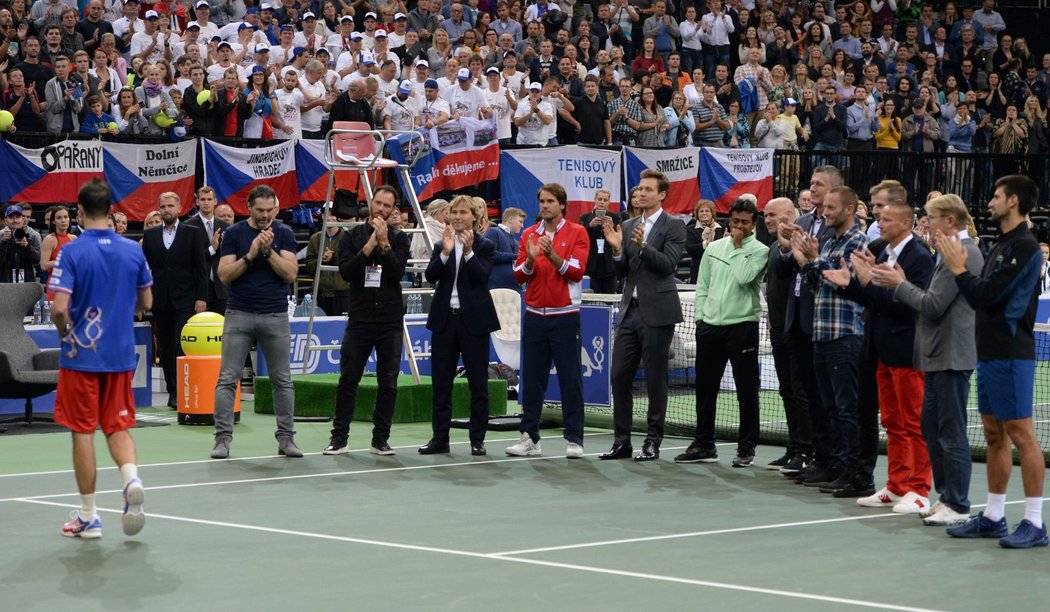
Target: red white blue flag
(726, 174)
(137, 175)
(48, 175)
(234, 172)
(680, 166)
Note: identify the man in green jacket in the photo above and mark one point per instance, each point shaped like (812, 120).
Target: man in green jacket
(727, 314)
(333, 294)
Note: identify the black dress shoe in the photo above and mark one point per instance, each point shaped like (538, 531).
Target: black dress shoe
(434, 447)
(477, 449)
(650, 452)
(619, 450)
(172, 402)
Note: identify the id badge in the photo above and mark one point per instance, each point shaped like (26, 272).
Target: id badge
(798, 285)
(601, 246)
(373, 274)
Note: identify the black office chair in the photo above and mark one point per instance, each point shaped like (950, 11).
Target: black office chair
(26, 371)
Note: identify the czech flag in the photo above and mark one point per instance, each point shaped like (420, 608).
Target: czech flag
(312, 173)
(234, 172)
(137, 175)
(726, 174)
(680, 166)
(52, 174)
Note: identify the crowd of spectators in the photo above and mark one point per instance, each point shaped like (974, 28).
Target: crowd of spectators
(792, 74)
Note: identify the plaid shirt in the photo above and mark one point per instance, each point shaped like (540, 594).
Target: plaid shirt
(634, 111)
(834, 316)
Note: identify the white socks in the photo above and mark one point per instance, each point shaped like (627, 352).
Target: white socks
(1033, 510)
(996, 508)
(129, 471)
(87, 506)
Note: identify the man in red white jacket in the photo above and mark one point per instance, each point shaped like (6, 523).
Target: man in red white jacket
(552, 257)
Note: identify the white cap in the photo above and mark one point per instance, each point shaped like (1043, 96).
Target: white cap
(398, 16)
(202, 4)
(379, 33)
(265, 6)
(463, 74)
(405, 87)
(366, 58)
(535, 86)
(152, 15)
(262, 48)
(309, 15)
(422, 62)
(370, 14)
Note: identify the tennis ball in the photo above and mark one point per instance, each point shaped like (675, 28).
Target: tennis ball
(112, 125)
(203, 97)
(202, 334)
(6, 119)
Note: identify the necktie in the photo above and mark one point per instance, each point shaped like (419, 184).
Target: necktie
(208, 228)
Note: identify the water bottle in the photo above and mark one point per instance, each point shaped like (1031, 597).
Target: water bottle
(415, 304)
(38, 312)
(291, 306)
(308, 305)
(45, 314)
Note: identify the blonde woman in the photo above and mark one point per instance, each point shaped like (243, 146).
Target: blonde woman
(1035, 116)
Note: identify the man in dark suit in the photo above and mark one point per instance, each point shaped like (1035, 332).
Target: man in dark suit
(503, 239)
(649, 311)
(213, 228)
(177, 255)
(799, 323)
(600, 265)
(900, 384)
(461, 318)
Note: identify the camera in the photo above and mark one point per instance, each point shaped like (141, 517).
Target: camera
(599, 214)
(20, 234)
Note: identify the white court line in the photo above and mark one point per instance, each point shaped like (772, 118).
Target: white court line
(536, 562)
(273, 456)
(400, 468)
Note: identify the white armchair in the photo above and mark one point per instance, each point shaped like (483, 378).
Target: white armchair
(507, 340)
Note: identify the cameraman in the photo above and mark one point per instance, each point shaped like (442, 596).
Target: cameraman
(19, 249)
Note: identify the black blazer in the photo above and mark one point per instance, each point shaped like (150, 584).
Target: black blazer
(599, 266)
(652, 270)
(893, 322)
(804, 303)
(180, 274)
(473, 286)
(213, 259)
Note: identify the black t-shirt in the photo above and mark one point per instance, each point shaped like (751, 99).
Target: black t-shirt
(592, 116)
(259, 289)
(38, 74)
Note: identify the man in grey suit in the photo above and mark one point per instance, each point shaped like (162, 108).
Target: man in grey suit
(946, 350)
(649, 311)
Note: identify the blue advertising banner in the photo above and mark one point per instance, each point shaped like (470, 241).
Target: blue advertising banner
(595, 344)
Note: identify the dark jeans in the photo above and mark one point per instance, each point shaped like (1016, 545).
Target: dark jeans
(447, 346)
(792, 394)
(712, 57)
(335, 305)
(944, 427)
(716, 345)
(544, 340)
(802, 358)
(637, 343)
(835, 363)
(358, 342)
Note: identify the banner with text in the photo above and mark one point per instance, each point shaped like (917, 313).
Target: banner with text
(48, 175)
(726, 174)
(137, 175)
(234, 172)
(455, 155)
(680, 166)
(580, 170)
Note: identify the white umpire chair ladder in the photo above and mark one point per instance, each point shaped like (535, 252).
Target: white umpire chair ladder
(355, 146)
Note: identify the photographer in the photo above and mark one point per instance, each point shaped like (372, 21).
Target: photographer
(19, 249)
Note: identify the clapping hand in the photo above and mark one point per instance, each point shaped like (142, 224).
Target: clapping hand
(467, 240)
(613, 235)
(952, 252)
(447, 241)
(532, 251)
(839, 277)
(638, 235)
(863, 263)
(887, 277)
(804, 248)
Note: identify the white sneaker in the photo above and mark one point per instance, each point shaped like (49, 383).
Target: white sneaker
(524, 448)
(881, 499)
(945, 517)
(911, 503)
(934, 509)
(574, 451)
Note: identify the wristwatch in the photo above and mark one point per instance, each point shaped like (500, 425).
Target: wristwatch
(384, 248)
(642, 246)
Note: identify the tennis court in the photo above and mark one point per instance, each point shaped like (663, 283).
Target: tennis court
(455, 532)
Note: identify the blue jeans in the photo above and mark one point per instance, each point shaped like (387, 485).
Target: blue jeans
(692, 59)
(944, 427)
(544, 340)
(712, 57)
(835, 364)
(270, 332)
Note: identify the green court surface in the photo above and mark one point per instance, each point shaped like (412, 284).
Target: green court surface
(456, 532)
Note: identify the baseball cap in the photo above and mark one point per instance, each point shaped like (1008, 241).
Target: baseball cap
(346, 18)
(262, 48)
(296, 52)
(422, 62)
(405, 87)
(535, 86)
(251, 10)
(216, 38)
(309, 15)
(380, 33)
(400, 16)
(193, 25)
(289, 27)
(131, 1)
(463, 74)
(356, 36)
(790, 102)
(152, 15)
(492, 70)
(202, 4)
(430, 84)
(370, 15)
(510, 52)
(225, 44)
(258, 69)
(246, 26)
(366, 58)
(12, 210)
(265, 6)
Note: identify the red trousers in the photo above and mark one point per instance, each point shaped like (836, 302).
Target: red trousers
(900, 408)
